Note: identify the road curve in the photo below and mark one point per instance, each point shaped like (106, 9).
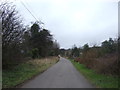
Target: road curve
(61, 75)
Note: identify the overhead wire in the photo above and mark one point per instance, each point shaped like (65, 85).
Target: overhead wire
(38, 21)
(29, 10)
(32, 11)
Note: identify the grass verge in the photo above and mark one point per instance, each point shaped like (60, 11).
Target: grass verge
(99, 80)
(26, 71)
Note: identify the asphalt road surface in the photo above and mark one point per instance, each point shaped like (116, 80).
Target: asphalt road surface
(61, 75)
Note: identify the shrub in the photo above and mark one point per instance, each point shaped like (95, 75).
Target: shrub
(100, 62)
(35, 53)
(107, 64)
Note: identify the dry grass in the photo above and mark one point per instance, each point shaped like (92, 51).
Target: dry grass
(43, 61)
(27, 70)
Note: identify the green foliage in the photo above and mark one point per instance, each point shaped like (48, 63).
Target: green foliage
(85, 48)
(34, 29)
(43, 41)
(109, 46)
(99, 80)
(75, 51)
(35, 53)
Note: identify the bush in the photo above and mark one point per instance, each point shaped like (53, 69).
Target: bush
(35, 53)
(100, 62)
(107, 64)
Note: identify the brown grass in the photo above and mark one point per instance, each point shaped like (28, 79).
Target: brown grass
(44, 61)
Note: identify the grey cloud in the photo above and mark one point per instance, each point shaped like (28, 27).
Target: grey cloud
(75, 21)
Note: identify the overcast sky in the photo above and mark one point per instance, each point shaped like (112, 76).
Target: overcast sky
(74, 21)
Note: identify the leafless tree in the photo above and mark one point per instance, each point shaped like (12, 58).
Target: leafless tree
(12, 31)
(11, 24)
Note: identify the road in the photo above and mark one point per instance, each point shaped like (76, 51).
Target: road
(61, 75)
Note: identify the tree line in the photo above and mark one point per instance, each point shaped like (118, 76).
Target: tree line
(20, 41)
(107, 46)
(102, 59)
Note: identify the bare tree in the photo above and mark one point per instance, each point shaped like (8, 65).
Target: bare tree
(11, 24)
(12, 31)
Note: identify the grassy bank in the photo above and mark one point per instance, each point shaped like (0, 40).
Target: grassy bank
(99, 80)
(26, 71)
